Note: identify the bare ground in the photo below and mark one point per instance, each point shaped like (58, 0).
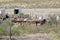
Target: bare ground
(38, 36)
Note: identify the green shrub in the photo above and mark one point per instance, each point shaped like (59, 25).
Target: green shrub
(15, 32)
(2, 31)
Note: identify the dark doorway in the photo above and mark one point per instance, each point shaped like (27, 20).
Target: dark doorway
(7, 16)
(16, 11)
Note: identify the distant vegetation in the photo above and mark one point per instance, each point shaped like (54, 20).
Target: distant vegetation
(17, 29)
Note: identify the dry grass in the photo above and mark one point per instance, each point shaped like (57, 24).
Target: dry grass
(6, 0)
(31, 3)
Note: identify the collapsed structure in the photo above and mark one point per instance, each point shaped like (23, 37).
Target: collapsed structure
(39, 13)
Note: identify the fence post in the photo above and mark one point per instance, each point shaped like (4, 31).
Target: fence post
(10, 33)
